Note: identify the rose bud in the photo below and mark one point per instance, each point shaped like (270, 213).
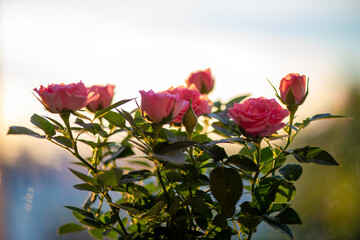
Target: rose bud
(160, 107)
(60, 98)
(293, 89)
(106, 94)
(189, 120)
(203, 81)
(258, 117)
(201, 104)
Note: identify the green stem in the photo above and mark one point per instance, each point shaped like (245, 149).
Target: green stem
(116, 214)
(289, 140)
(291, 120)
(257, 161)
(238, 231)
(249, 236)
(162, 183)
(65, 117)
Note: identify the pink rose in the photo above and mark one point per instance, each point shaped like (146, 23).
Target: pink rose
(106, 94)
(201, 104)
(258, 117)
(59, 98)
(160, 107)
(293, 89)
(203, 81)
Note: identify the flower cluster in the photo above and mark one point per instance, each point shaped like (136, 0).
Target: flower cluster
(187, 185)
(60, 98)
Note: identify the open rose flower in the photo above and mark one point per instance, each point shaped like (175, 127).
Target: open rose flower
(161, 107)
(60, 98)
(203, 81)
(106, 94)
(258, 117)
(201, 104)
(293, 89)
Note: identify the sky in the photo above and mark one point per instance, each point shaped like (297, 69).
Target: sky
(147, 45)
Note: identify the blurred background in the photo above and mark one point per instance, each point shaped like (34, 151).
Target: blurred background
(156, 44)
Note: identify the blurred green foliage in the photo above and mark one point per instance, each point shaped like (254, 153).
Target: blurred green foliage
(328, 198)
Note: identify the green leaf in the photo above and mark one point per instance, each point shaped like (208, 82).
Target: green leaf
(155, 210)
(280, 191)
(127, 207)
(288, 216)
(291, 172)
(15, 130)
(106, 110)
(221, 116)
(217, 153)
(279, 226)
(80, 115)
(167, 135)
(174, 206)
(110, 178)
(64, 141)
(243, 162)
(124, 151)
(84, 177)
(81, 211)
(225, 234)
(220, 221)
(97, 233)
(115, 119)
(56, 122)
(312, 154)
(86, 187)
(166, 148)
(266, 157)
(276, 207)
(92, 223)
(174, 176)
(138, 191)
(70, 228)
(43, 124)
(223, 129)
(177, 158)
(272, 190)
(237, 100)
(250, 222)
(201, 138)
(226, 186)
(318, 117)
(249, 208)
(92, 144)
(202, 223)
(94, 128)
(200, 208)
(190, 172)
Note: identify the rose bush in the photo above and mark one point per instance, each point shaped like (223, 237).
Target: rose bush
(203, 81)
(59, 98)
(183, 184)
(161, 107)
(293, 89)
(258, 117)
(201, 104)
(106, 94)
